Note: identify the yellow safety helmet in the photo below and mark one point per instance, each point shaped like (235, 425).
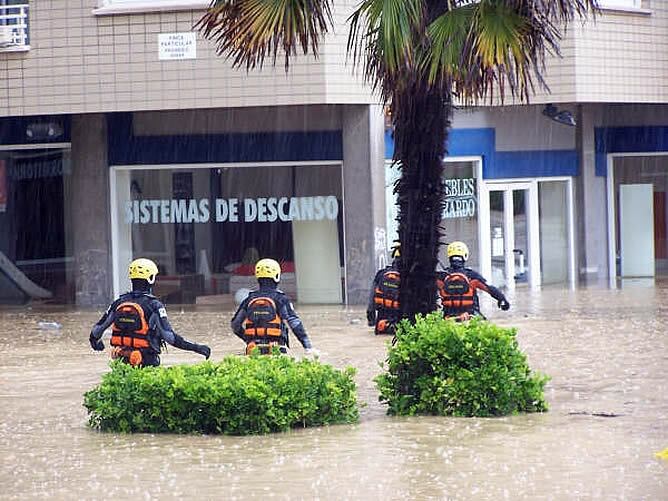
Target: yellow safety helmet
(143, 268)
(458, 249)
(396, 250)
(268, 268)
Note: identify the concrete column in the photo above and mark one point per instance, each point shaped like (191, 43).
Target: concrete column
(364, 192)
(591, 206)
(90, 216)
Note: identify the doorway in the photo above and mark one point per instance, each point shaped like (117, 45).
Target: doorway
(512, 234)
(35, 223)
(637, 215)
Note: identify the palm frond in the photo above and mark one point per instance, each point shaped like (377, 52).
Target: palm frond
(500, 52)
(385, 37)
(249, 31)
(448, 34)
(499, 46)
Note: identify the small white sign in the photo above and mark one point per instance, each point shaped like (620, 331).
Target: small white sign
(177, 46)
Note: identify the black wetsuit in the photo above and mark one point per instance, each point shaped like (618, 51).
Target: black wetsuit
(383, 317)
(477, 282)
(160, 330)
(284, 309)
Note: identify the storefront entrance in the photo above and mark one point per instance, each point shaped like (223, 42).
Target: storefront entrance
(526, 232)
(638, 215)
(519, 232)
(206, 225)
(35, 223)
(510, 234)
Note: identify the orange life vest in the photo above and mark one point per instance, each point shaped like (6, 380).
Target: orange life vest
(457, 292)
(130, 328)
(265, 348)
(386, 293)
(262, 320)
(386, 326)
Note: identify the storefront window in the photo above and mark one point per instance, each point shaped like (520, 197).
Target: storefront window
(35, 246)
(554, 239)
(640, 187)
(206, 228)
(392, 173)
(460, 214)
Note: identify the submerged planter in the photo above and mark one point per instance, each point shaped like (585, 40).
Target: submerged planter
(238, 395)
(440, 367)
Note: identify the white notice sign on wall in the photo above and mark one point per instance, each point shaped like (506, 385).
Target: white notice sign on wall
(177, 46)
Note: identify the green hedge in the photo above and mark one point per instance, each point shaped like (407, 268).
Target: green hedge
(238, 395)
(440, 367)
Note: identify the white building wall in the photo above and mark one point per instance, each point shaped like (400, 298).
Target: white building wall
(82, 63)
(616, 57)
(624, 57)
(519, 128)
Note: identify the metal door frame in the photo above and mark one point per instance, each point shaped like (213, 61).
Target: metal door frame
(533, 230)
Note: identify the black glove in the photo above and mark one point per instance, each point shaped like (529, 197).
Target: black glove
(183, 344)
(371, 318)
(203, 350)
(503, 304)
(95, 343)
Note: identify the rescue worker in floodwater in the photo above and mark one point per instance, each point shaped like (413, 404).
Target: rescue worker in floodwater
(260, 321)
(138, 320)
(383, 312)
(458, 285)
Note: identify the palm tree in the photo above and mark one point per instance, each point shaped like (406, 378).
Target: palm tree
(420, 55)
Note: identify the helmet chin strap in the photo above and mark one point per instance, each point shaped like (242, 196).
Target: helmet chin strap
(142, 285)
(457, 262)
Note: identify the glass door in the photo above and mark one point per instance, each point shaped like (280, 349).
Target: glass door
(555, 231)
(513, 237)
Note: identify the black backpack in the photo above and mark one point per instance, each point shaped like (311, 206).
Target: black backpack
(262, 319)
(386, 295)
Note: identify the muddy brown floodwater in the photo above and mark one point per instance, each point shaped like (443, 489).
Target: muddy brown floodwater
(606, 350)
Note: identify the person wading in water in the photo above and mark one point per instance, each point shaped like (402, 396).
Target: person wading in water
(138, 321)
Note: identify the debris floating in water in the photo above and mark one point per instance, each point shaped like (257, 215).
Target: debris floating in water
(595, 414)
(49, 326)
(663, 454)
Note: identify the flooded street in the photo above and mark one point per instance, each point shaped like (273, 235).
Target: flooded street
(606, 351)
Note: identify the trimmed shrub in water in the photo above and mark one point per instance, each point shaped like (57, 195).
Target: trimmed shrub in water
(440, 367)
(238, 395)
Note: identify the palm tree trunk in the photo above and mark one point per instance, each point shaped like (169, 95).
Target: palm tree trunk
(421, 121)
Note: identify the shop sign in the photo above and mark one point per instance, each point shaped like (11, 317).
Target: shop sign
(36, 169)
(177, 46)
(459, 198)
(232, 210)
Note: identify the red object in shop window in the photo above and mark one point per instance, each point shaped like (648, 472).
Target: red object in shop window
(249, 269)
(244, 270)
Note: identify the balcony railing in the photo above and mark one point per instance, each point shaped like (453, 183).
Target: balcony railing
(14, 28)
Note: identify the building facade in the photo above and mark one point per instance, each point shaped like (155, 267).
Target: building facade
(122, 134)
(572, 188)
